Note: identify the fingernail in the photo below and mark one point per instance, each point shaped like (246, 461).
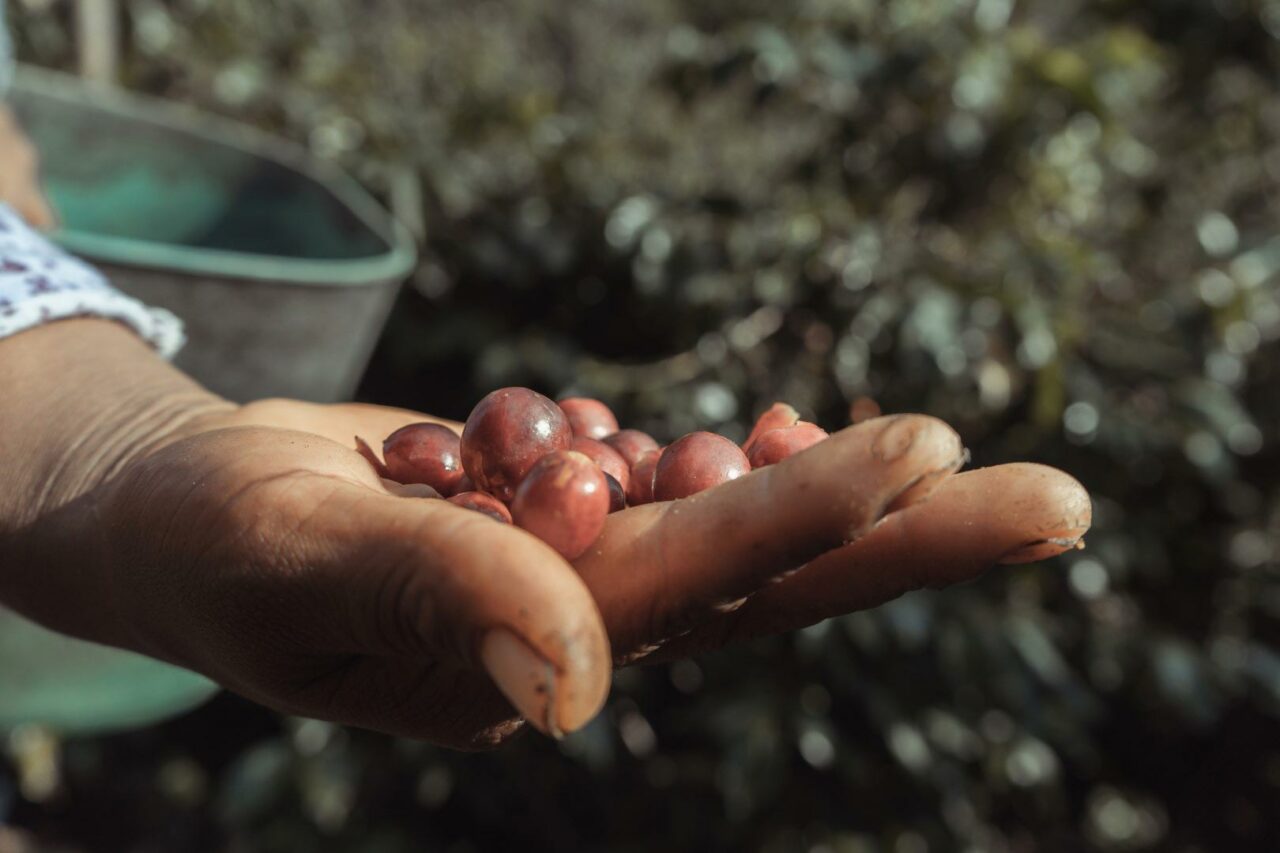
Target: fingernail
(922, 487)
(410, 490)
(1041, 550)
(527, 679)
(895, 439)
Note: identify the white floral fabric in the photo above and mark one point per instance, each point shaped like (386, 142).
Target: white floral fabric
(40, 283)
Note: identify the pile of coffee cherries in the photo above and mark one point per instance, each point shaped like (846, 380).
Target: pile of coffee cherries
(558, 469)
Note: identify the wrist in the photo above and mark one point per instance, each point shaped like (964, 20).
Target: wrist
(84, 399)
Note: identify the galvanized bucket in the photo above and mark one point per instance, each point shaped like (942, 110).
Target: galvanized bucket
(282, 267)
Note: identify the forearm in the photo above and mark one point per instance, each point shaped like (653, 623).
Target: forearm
(80, 398)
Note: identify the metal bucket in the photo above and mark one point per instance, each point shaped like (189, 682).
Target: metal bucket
(283, 270)
(281, 266)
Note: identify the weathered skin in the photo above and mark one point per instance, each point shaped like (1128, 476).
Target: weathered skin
(20, 174)
(251, 544)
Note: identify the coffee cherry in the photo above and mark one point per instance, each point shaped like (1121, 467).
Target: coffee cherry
(609, 460)
(640, 491)
(617, 496)
(777, 416)
(424, 453)
(465, 485)
(696, 462)
(480, 502)
(506, 434)
(631, 443)
(863, 409)
(563, 501)
(589, 418)
(777, 444)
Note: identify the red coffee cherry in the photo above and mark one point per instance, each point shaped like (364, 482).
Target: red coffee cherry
(777, 444)
(480, 502)
(631, 443)
(777, 416)
(863, 409)
(424, 453)
(589, 418)
(696, 462)
(507, 433)
(465, 485)
(563, 501)
(617, 495)
(609, 460)
(640, 491)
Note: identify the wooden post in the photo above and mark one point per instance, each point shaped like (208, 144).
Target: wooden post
(98, 39)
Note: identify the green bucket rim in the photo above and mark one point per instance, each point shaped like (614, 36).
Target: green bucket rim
(394, 264)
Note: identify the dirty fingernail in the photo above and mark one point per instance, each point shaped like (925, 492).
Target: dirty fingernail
(895, 439)
(526, 678)
(1041, 550)
(919, 489)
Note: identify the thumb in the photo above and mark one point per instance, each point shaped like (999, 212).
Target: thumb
(417, 580)
(37, 211)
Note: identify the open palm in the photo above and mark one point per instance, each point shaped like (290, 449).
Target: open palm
(262, 551)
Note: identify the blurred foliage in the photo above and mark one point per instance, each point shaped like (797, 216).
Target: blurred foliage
(1050, 222)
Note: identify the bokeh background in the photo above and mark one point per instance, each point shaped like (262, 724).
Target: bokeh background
(1051, 222)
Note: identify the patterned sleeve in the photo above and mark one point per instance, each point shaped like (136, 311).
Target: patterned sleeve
(40, 283)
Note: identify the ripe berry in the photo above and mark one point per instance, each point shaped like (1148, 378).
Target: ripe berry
(507, 433)
(631, 443)
(480, 502)
(777, 444)
(589, 418)
(778, 415)
(696, 462)
(609, 460)
(424, 453)
(863, 409)
(640, 491)
(563, 501)
(617, 496)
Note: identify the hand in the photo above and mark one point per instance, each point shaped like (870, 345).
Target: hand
(20, 175)
(253, 545)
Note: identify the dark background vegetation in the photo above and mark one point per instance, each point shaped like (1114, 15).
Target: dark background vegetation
(1050, 222)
